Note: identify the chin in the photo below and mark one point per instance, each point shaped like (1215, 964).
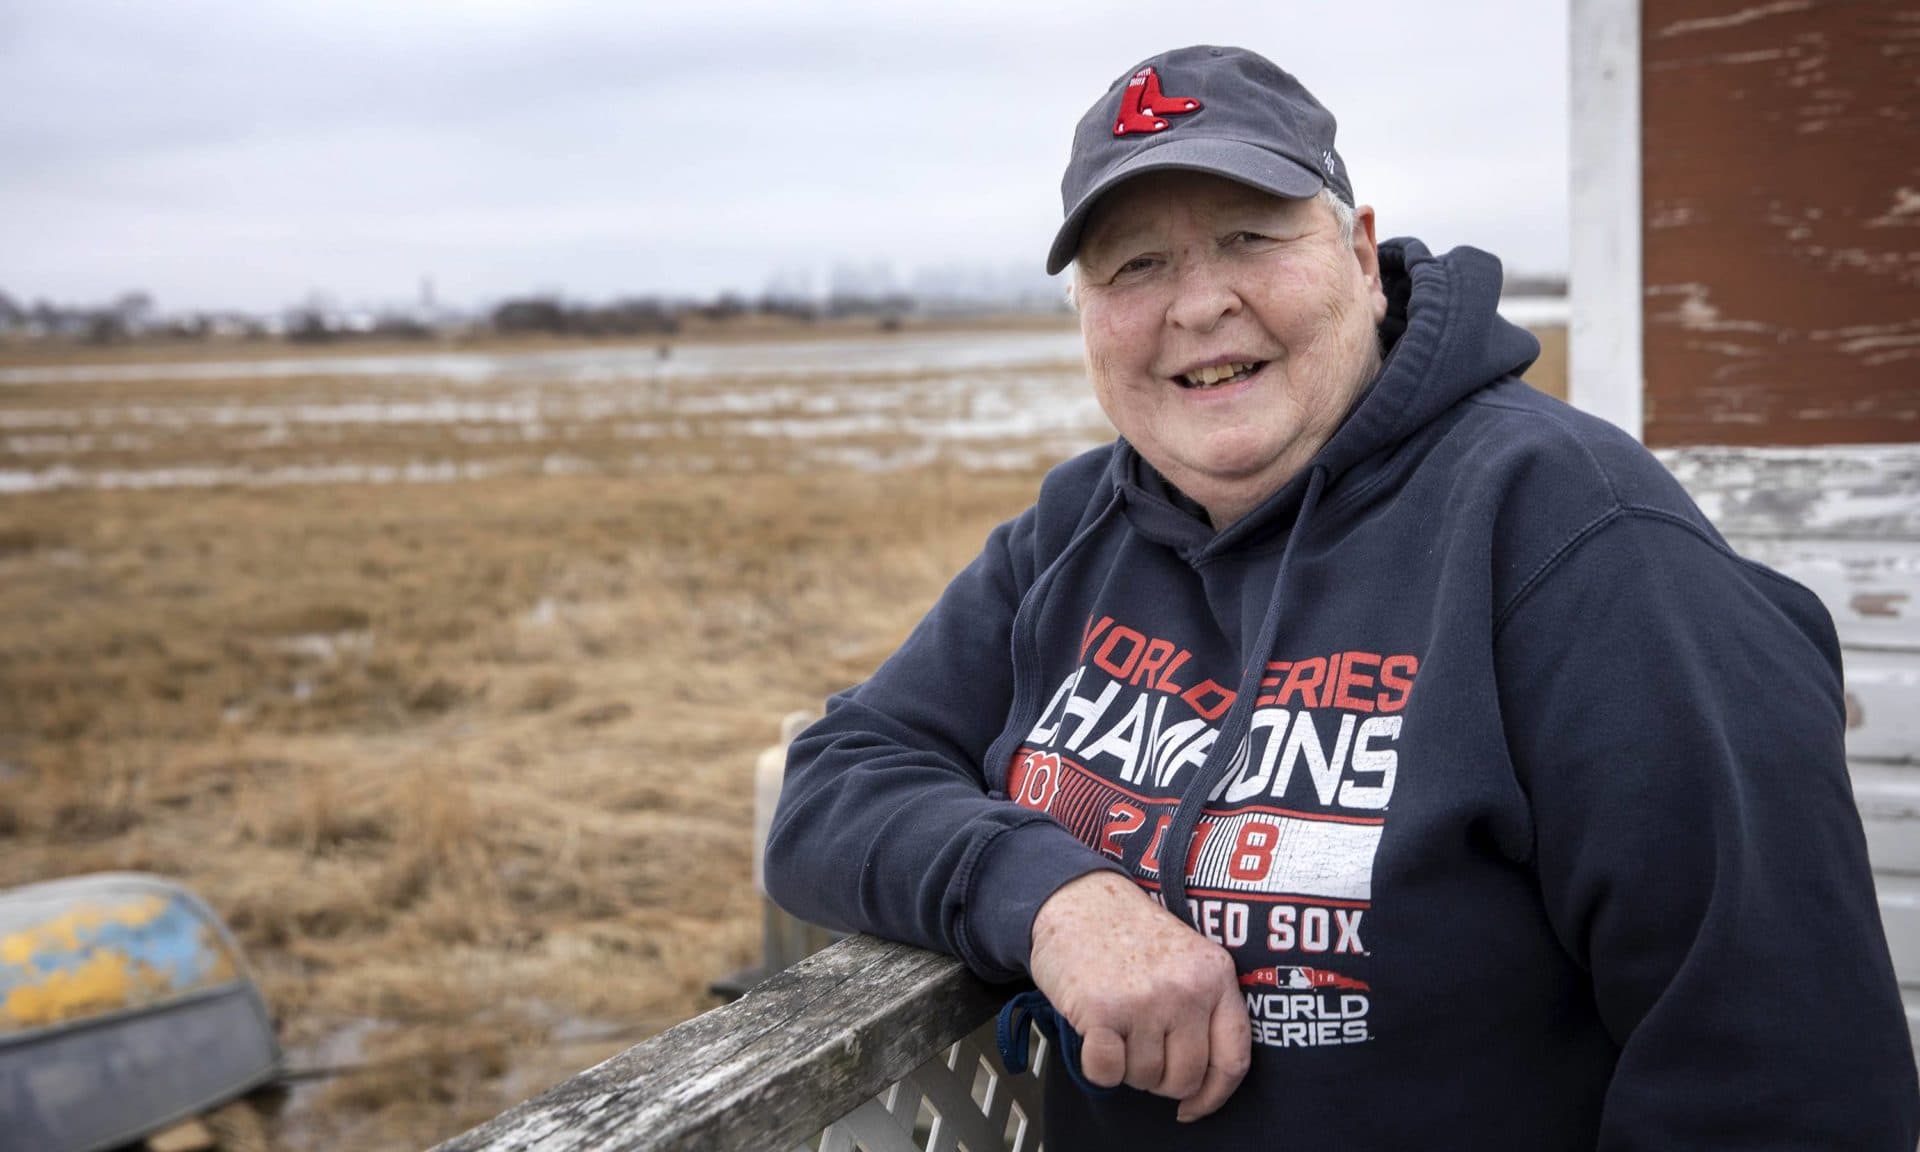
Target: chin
(1235, 468)
(1218, 482)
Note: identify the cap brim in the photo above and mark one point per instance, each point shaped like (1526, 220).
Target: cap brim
(1249, 164)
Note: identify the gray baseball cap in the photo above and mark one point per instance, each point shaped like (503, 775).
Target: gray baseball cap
(1227, 111)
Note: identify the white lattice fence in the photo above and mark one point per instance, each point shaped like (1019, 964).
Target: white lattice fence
(964, 1098)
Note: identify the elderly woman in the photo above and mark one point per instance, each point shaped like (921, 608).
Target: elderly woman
(1363, 751)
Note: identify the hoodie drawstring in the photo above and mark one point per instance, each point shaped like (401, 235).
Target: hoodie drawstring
(1222, 759)
(1033, 1008)
(1012, 1028)
(1026, 655)
(1013, 1032)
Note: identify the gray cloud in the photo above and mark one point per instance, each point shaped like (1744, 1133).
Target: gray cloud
(243, 154)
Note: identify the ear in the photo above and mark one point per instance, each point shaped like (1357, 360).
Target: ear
(1367, 252)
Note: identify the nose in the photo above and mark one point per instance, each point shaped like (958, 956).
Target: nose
(1204, 295)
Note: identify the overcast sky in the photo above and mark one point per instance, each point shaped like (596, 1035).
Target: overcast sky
(246, 153)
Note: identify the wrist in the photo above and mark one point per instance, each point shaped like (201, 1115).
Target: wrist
(1016, 872)
(1073, 902)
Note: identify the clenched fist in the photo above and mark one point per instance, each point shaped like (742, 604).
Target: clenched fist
(1157, 1004)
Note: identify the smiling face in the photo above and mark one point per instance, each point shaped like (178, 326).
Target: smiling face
(1227, 330)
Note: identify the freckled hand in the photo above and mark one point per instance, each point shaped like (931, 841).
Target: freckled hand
(1157, 1004)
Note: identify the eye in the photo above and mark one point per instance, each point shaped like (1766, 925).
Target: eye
(1137, 266)
(1245, 238)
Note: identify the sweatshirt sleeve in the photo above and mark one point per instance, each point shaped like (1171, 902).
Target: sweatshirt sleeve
(886, 823)
(1675, 716)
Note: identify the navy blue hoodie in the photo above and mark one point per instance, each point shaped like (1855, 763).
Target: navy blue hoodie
(1518, 798)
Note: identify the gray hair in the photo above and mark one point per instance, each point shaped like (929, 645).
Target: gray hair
(1343, 215)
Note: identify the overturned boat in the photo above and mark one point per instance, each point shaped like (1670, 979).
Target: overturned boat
(124, 1007)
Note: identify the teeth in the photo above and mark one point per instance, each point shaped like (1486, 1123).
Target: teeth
(1208, 377)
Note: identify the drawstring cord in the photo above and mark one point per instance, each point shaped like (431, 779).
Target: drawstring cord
(1233, 730)
(1026, 656)
(1013, 1031)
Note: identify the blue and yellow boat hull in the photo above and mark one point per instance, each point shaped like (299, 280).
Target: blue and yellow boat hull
(124, 1007)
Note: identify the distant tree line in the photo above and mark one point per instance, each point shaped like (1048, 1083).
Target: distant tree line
(128, 314)
(654, 316)
(311, 325)
(550, 315)
(317, 320)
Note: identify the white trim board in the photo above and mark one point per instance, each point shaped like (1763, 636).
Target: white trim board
(1606, 374)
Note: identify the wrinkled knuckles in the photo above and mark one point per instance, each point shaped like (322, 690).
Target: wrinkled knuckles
(1108, 1008)
(1180, 1083)
(1103, 1058)
(1198, 989)
(1146, 1063)
(1235, 1066)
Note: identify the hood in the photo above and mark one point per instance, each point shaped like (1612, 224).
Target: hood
(1444, 340)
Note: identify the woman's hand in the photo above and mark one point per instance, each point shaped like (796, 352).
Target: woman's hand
(1157, 1005)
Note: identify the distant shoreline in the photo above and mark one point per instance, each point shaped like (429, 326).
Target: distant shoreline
(20, 352)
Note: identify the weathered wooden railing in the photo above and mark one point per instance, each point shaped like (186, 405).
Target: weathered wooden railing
(868, 1044)
(865, 1044)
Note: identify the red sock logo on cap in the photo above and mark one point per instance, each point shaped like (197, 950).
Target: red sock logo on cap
(1142, 105)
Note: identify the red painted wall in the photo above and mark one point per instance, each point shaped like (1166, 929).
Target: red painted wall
(1781, 197)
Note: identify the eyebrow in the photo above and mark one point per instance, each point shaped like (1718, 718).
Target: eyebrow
(1100, 238)
(1102, 242)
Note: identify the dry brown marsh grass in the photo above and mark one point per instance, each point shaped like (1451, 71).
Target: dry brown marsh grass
(467, 767)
